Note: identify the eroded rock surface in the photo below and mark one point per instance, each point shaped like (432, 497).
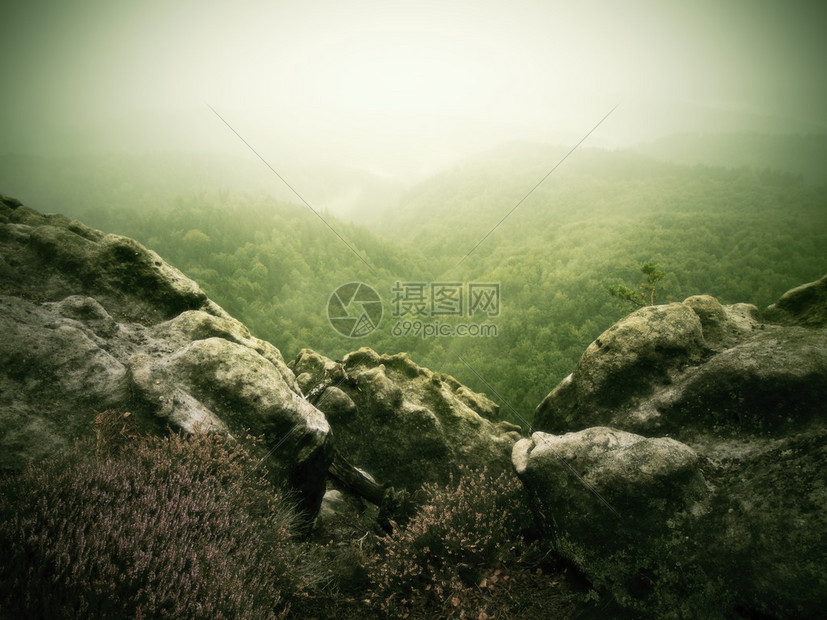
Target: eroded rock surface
(93, 322)
(404, 424)
(617, 505)
(689, 368)
(804, 305)
(715, 506)
(50, 257)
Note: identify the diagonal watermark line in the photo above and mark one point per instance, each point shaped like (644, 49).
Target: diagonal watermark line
(292, 189)
(266, 456)
(538, 184)
(280, 442)
(286, 436)
(568, 466)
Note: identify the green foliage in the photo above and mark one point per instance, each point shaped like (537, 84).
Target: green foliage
(741, 235)
(197, 528)
(648, 288)
(653, 277)
(624, 293)
(790, 156)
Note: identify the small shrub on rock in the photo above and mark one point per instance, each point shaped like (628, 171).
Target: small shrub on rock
(452, 552)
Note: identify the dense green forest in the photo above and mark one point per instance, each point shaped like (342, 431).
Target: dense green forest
(805, 155)
(740, 234)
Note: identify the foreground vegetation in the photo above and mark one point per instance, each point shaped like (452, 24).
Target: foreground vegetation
(137, 526)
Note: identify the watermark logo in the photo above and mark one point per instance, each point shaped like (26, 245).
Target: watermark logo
(430, 309)
(354, 309)
(435, 329)
(420, 309)
(445, 299)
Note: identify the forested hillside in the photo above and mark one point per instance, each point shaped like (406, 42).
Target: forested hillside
(740, 235)
(804, 155)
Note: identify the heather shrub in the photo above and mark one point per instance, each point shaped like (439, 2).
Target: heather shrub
(150, 527)
(455, 552)
(130, 525)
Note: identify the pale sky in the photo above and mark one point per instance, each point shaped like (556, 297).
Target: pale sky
(399, 87)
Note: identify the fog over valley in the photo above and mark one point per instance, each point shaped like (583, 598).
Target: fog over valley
(401, 90)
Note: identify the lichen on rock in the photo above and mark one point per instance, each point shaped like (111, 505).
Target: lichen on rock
(420, 425)
(715, 503)
(93, 321)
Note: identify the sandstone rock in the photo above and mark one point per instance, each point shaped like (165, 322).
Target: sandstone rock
(344, 516)
(53, 376)
(747, 378)
(601, 477)
(57, 371)
(749, 408)
(94, 321)
(769, 520)
(771, 384)
(723, 325)
(711, 314)
(671, 535)
(404, 424)
(337, 405)
(804, 305)
(740, 374)
(625, 362)
(742, 320)
(642, 348)
(611, 502)
(200, 325)
(155, 391)
(10, 202)
(246, 390)
(50, 257)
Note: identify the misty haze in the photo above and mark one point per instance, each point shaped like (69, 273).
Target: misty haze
(454, 309)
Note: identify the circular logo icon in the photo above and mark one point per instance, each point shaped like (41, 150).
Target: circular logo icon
(354, 309)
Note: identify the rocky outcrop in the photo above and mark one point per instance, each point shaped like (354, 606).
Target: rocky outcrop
(772, 384)
(680, 466)
(670, 533)
(93, 321)
(609, 473)
(687, 368)
(625, 362)
(404, 424)
(804, 305)
(50, 257)
(696, 488)
(616, 504)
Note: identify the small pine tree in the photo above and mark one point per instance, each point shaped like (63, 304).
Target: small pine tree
(648, 289)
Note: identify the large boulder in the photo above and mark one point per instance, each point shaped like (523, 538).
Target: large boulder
(658, 371)
(605, 498)
(94, 322)
(804, 305)
(404, 424)
(733, 520)
(771, 384)
(50, 257)
(669, 533)
(54, 375)
(625, 362)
